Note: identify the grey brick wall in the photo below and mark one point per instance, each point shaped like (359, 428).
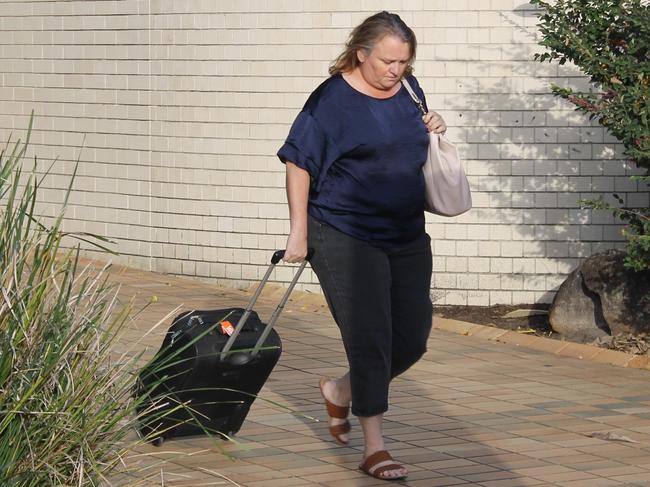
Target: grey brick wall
(183, 105)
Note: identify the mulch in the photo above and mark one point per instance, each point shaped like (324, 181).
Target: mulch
(537, 324)
(495, 316)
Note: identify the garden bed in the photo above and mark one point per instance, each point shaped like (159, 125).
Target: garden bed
(535, 323)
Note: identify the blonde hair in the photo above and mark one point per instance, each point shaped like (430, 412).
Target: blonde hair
(367, 34)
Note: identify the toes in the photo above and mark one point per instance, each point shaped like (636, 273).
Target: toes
(391, 474)
(395, 473)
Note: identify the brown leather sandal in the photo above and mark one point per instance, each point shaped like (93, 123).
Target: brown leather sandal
(369, 466)
(338, 412)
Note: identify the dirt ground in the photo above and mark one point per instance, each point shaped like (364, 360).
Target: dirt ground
(495, 316)
(535, 324)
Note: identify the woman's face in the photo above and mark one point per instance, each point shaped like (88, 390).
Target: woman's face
(384, 65)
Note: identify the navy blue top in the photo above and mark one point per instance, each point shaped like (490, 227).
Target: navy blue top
(364, 156)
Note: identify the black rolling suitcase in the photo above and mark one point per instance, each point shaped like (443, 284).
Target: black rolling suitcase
(208, 371)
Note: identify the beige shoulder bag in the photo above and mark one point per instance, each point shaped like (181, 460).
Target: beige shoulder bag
(446, 187)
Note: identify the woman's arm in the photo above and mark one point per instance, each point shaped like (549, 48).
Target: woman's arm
(297, 196)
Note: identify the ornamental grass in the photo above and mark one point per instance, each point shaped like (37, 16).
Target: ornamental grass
(67, 411)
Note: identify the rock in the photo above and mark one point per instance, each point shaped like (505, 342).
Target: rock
(602, 297)
(624, 294)
(525, 313)
(575, 312)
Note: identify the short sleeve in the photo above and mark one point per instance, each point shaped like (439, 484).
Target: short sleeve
(309, 147)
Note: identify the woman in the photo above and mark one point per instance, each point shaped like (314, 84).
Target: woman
(356, 195)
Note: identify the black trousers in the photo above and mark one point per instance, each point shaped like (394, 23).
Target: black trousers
(381, 303)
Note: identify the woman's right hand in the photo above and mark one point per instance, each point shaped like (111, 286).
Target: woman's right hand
(296, 249)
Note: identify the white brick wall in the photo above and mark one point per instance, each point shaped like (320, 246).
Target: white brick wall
(184, 104)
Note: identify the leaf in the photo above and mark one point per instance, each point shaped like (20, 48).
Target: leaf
(611, 436)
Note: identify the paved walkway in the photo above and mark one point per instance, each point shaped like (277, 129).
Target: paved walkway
(471, 412)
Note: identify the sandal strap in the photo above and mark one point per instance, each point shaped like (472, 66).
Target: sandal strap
(369, 466)
(338, 412)
(340, 429)
(374, 459)
(333, 411)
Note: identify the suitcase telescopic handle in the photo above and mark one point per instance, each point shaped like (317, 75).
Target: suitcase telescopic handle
(279, 254)
(277, 257)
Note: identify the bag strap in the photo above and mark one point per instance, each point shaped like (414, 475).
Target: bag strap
(417, 101)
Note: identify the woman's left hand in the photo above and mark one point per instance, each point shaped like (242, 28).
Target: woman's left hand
(434, 123)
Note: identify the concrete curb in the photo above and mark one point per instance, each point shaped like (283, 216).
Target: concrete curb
(549, 345)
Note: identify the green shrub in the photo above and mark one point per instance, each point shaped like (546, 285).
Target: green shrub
(609, 41)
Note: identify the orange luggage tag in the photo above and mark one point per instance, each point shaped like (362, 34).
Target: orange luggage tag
(227, 328)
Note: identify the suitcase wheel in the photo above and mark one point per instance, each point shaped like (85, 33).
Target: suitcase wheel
(238, 359)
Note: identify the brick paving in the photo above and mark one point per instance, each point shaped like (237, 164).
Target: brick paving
(472, 412)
